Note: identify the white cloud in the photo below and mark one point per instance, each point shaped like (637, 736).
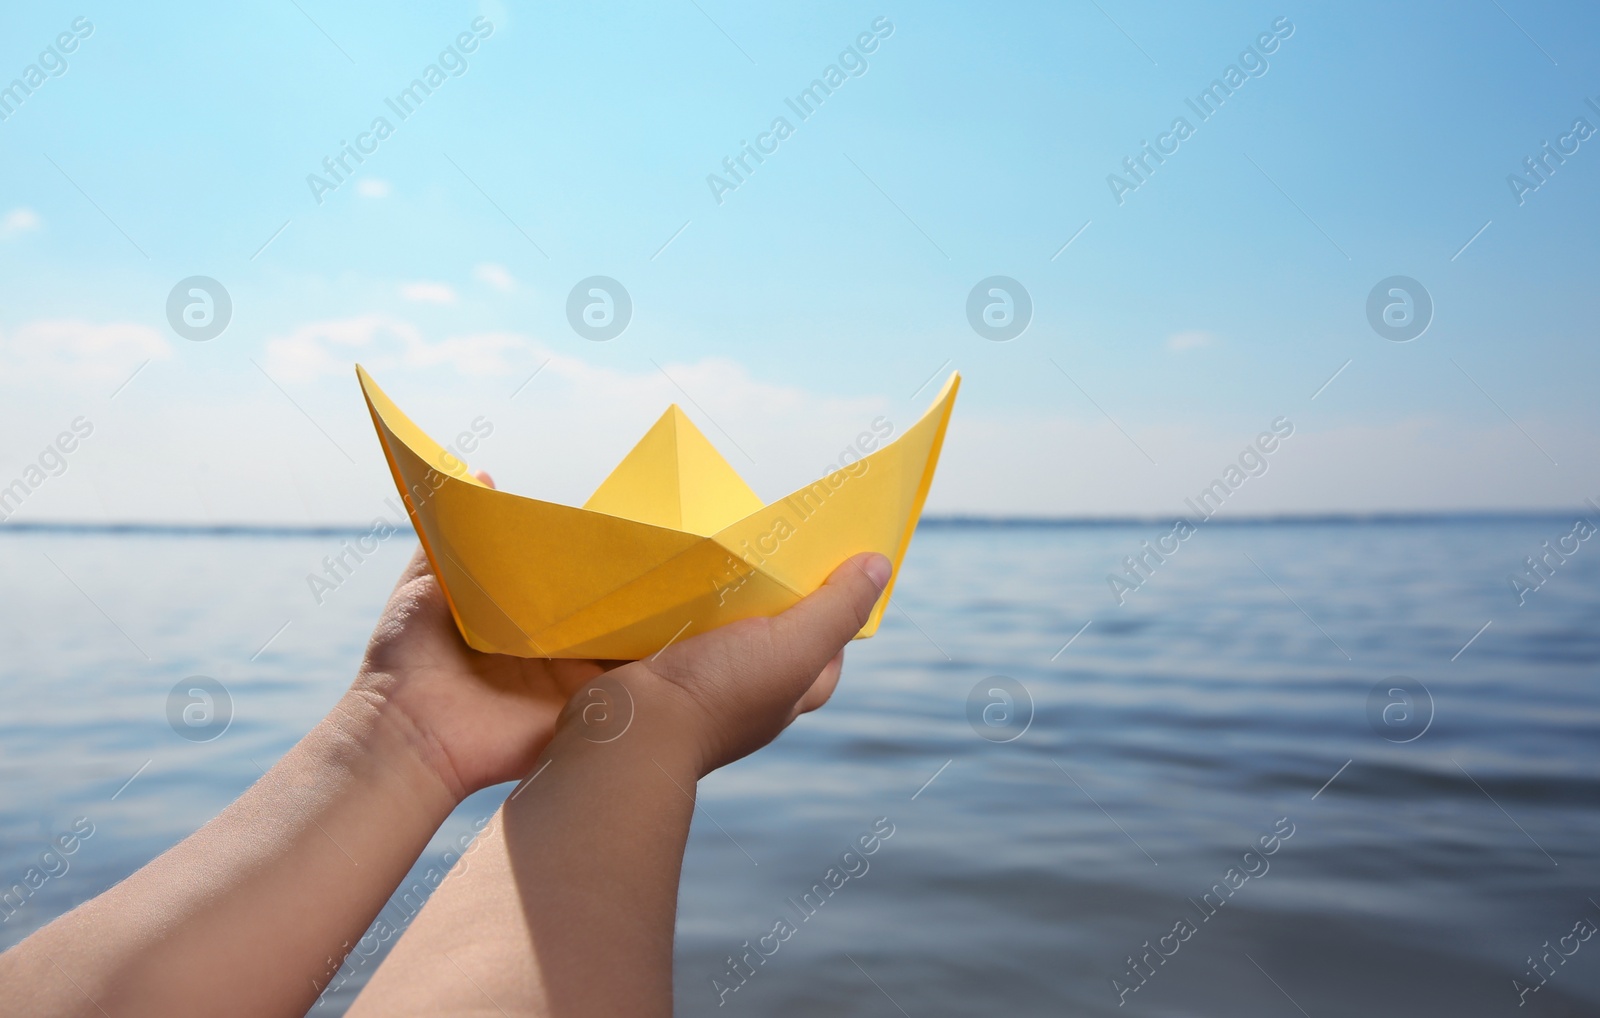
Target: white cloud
(428, 293)
(328, 348)
(19, 220)
(497, 276)
(1190, 340)
(76, 352)
(577, 417)
(564, 430)
(481, 353)
(372, 187)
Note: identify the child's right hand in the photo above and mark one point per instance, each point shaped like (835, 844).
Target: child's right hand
(734, 689)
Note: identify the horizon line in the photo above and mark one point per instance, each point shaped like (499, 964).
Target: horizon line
(934, 521)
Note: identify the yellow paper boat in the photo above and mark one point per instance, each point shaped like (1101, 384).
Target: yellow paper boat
(672, 544)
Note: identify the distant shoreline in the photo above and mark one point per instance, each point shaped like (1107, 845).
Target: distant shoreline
(932, 522)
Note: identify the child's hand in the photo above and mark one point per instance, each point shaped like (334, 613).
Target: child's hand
(476, 719)
(739, 686)
(583, 864)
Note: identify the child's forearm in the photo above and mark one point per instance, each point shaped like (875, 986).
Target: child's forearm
(566, 905)
(251, 914)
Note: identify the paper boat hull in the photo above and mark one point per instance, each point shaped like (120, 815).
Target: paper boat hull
(540, 579)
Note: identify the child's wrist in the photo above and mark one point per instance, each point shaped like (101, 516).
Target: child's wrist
(392, 748)
(635, 713)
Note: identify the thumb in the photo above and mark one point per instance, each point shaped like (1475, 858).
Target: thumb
(824, 621)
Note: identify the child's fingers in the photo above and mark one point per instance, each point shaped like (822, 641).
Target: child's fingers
(791, 661)
(752, 678)
(822, 689)
(817, 628)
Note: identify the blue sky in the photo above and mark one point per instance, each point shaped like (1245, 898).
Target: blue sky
(1219, 296)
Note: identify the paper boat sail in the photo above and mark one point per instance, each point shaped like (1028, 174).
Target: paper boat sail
(672, 544)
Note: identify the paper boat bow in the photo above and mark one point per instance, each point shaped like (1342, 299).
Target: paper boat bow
(672, 544)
